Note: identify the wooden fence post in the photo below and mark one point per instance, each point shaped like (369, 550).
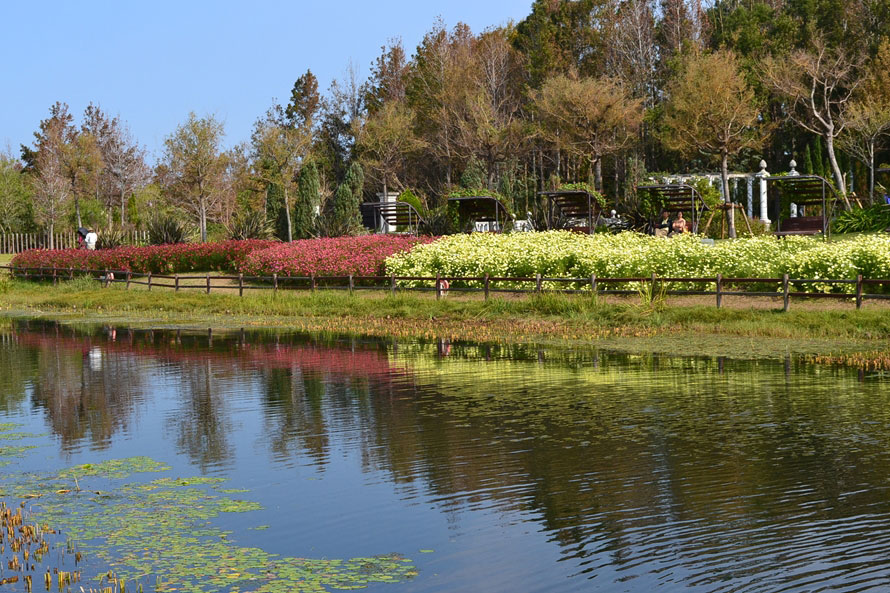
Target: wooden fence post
(859, 291)
(538, 284)
(129, 277)
(593, 284)
(652, 291)
(487, 285)
(240, 284)
(438, 287)
(275, 282)
(106, 279)
(351, 284)
(55, 280)
(719, 290)
(392, 284)
(208, 282)
(312, 281)
(176, 282)
(786, 297)
(71, 273)
(149, 282)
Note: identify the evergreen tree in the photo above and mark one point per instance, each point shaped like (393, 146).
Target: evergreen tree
(808, 161)
(275, 210)
(307, 204)
(346, 217)
(818, 156)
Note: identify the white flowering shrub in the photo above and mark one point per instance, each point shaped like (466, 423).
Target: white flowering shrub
(572, 255)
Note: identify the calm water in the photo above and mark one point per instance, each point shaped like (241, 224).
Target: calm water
(492, 468)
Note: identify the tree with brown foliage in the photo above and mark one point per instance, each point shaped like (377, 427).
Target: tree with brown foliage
(711, 109)
(592, 117)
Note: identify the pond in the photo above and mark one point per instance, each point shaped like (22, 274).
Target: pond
(264, 461)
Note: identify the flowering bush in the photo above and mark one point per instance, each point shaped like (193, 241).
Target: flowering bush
(360, 256)
(565, 254)
(159, 259)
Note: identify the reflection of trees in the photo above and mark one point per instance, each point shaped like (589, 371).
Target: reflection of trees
(203, 424)
(16, 364)
(84, 392)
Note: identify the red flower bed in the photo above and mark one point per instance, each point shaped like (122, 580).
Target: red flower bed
(359, 256)
(159, 259)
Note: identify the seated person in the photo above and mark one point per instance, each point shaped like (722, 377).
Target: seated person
(663, 227)
(679, 224)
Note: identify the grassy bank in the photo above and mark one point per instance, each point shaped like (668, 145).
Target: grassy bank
(548, 318)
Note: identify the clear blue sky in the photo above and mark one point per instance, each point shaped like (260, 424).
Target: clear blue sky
(153, 62)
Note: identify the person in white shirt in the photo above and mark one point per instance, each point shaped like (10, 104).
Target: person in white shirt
(91, 239)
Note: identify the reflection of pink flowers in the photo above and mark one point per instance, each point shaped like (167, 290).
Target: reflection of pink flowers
(159, 259)
(359, 256)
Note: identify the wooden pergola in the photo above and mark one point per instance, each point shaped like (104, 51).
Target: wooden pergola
(482, 209)
(678, 197)
(575, 205)
(804, 191)
(395, 214)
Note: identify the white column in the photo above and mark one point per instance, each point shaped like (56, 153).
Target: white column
(750, 181)
(762, 175)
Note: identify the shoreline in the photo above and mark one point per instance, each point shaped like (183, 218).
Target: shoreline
(835, 335)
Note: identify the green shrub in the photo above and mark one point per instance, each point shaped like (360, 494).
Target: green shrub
(168, 230)
(862, 220)
(111, 237)
(252, 224)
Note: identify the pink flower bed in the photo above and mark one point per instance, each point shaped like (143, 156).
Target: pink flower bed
(359, 256)
(159, 259)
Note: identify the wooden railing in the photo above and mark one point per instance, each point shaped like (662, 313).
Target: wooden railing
(18, 242)
(651, 287)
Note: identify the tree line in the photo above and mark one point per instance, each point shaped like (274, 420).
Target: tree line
(602, 92)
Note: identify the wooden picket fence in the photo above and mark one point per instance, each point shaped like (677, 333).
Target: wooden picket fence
(652, 287)
(18, 242)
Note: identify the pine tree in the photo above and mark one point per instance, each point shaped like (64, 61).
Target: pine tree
(307, 203)
(808, 161)
(818, 158)
(346, 215)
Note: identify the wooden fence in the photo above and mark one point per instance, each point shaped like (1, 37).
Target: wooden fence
(18, 242)
(652, 287)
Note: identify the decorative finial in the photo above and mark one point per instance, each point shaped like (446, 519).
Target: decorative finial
(762, 165)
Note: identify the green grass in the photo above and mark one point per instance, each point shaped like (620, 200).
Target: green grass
(5, 258)
(545, 318)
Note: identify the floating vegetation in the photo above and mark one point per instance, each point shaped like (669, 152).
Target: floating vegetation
(161, 536)
(873, 360)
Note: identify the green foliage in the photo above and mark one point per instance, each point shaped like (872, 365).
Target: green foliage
(307, 203)
(474, 175)
(250, 224)
(111, 236)
(808, 161)
(709, 193)
(409, 197)
(585, 187)
(167, 229)
(345, 217)
(862, 220)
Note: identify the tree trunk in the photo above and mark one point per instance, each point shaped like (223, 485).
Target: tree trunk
(835, 169)
(290, 228)
(77, 210)
(52, 241)
(598, 173)
(871, 173)
(724, 179)
(202, 213)
(123, 207)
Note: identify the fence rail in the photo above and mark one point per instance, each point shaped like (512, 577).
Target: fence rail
(648, 286)
(18, 242)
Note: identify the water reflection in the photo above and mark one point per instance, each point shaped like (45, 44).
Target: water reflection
(713, 474)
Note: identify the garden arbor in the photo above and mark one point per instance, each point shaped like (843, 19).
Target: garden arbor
(805, 193)
(576, 206)
(393, 215)
(677, 197)
(482, 209)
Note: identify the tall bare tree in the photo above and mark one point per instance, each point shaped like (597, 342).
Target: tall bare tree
(52, 188)
(711, 109)
(818, 86)
(384, 139)
(196, 168)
